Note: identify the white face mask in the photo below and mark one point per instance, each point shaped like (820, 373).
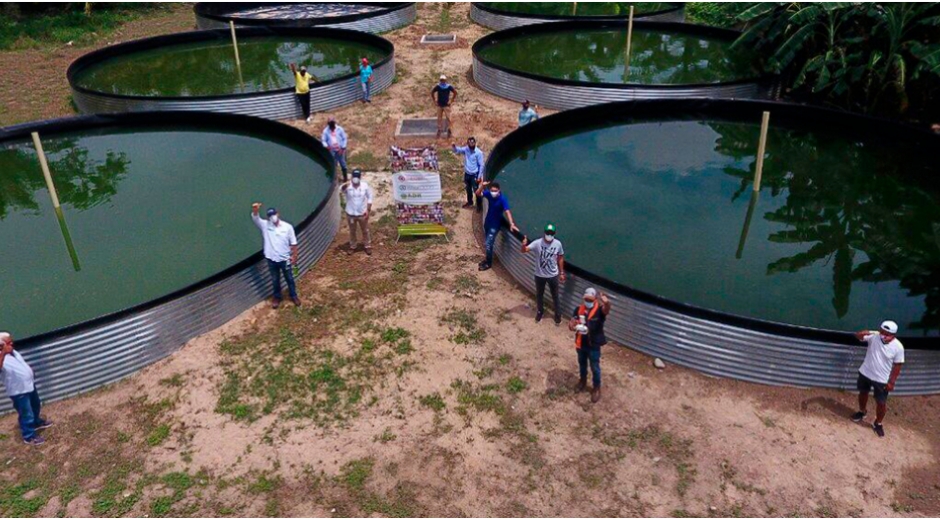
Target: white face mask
(549, 238)
(588, 305)
(494, 193)
(275, 219)
(355, 182)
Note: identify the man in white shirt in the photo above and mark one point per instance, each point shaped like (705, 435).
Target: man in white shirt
(549, 269)
(880, 371)
(358, 208)
(280, 250)
(334, 139)
(18, 381)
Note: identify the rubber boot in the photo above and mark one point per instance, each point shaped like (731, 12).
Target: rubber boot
(582, 384)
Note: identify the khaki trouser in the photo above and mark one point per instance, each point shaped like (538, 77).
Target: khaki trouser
(363, 223)
(443, 113)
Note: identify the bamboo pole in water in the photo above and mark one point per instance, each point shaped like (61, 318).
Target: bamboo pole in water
(54, 195)
(626, 67)
(755, 195)
(761, 149)
(238, 61)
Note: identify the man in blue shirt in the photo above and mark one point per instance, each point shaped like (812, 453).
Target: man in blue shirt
(334, 139)
(443, 90)
(473, 162)
(527, 114)
(365, 76)
(498, 208)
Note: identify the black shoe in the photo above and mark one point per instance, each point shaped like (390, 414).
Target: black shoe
(538, 317)
(275, 304)
(467, 205)
(879, 429)
(43, 425)
(557, 320)
(35, 440)
(858, 416)
(484, 266)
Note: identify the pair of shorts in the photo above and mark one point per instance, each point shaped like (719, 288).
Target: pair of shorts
(881, 389)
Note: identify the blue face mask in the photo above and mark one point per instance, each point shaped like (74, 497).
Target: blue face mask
(588, 305)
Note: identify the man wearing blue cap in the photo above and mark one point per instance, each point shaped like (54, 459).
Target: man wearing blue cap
(280, 250)
(879, 371)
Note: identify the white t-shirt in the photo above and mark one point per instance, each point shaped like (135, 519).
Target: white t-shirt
(880, 358)
(277, 239)
(358, 198)
(546, 261)
(17, 375)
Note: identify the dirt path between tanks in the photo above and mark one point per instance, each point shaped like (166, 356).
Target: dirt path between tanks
(410, 384)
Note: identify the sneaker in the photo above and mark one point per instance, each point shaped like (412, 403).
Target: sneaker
(467, 205)
(35, 440)
(296, 302)
(485, 266)
(538, 317)
(858, 416)
(276, 304)
(557, 321)
(45, 424)
(368, 251)
(879, 429)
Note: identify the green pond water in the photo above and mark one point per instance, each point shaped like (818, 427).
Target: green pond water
(148, 212)
(585, 9)
(209, 69)
(599, 56)
(841, 236)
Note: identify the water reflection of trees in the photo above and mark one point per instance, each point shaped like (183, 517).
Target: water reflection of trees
(206, 69)
(842, 198)
(81, 182)
(599, 56)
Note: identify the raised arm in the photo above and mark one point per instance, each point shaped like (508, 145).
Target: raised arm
(862, 334)
(481, 187)
(293, 68)
(254, 215)
(605, 304)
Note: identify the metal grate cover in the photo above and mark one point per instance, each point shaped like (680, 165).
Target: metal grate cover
(439, 38)
(418, 127)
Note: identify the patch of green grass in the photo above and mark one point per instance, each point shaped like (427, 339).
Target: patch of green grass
(435, 283)
(263, 484)
(433, 401)
(174, 381)
(386, 436)
(464, 324)
(467, 284)
(515, 385)
(13, 501)
(123, 437)
(70, 24)
(504, 359)
(392, 335)
(161, 506)
(158, 435)
(365, 160)
(480, 398)
(681, 513)
(356, 473)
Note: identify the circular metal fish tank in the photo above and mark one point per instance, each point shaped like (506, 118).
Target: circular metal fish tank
(654, 203)
(198, 71)
(373, 17)
(153, 244)
(506, 15)
(574, 64)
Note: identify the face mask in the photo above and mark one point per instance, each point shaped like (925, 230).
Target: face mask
(588, 305)
(355, 182)
(275, 219)
(494, 193)
(549, 238)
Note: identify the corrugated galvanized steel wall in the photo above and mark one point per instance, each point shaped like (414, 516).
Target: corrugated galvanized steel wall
(499, 21)
(379, 23)
(711, 342)
(723, 350)
(277, 104)
(565, 97)
(85, 357)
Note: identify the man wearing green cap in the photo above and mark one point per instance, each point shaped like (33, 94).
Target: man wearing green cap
(549, 269)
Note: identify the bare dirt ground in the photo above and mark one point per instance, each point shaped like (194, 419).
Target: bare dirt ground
(409, 384)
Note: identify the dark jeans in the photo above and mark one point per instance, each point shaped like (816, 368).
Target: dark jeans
(276, 269)
(490, 242)
(540, 294)
(594, 355)
(470, 184)
(304, 103)
(340, 156)
(28, 406)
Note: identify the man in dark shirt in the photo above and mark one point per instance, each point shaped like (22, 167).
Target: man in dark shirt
(498, 208)
(441, 94)
(588, 326)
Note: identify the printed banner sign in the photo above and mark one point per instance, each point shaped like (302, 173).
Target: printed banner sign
(416, 187)
(423, 159)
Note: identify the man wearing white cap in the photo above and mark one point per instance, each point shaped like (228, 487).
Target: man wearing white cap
(440, 94)
(588, 326)
(879, 371)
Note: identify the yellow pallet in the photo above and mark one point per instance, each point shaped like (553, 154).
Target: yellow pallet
(416, 230)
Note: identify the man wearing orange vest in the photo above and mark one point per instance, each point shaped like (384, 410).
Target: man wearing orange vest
(588, 326)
